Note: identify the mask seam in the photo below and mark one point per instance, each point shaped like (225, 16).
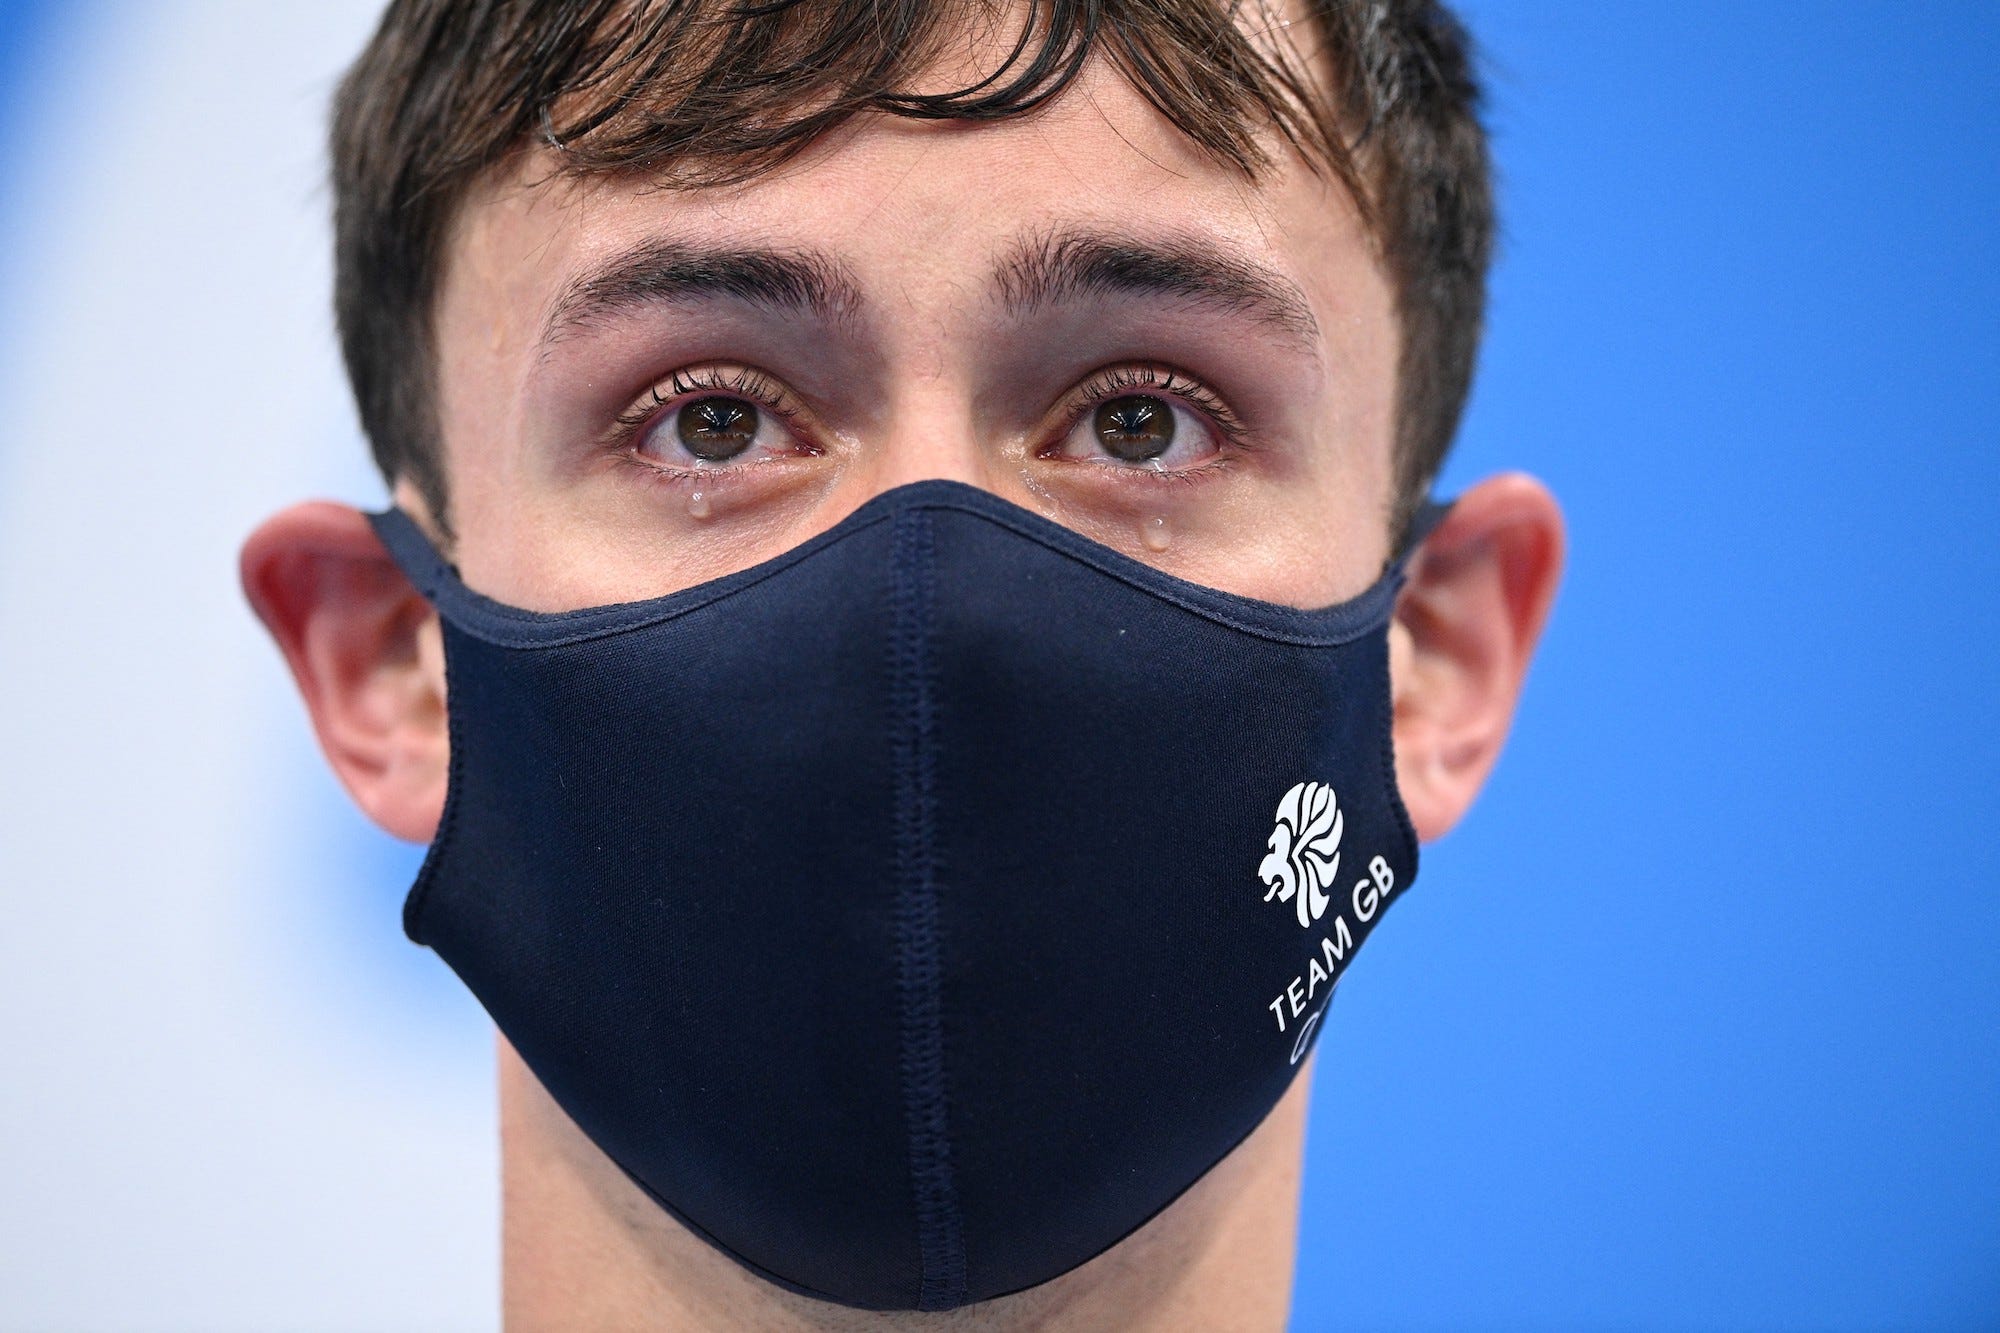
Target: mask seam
(476, 614)
(1366, 618)
(514, 627)
(940, 1227)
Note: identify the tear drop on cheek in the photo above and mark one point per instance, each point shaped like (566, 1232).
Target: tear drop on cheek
(698, 505)
(1153, 534)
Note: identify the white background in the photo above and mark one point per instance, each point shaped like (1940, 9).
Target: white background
(230, 1096)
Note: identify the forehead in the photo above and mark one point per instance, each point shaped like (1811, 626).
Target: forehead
(930, 202)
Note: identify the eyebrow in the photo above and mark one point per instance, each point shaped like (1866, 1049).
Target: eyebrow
(667, 271)
(1061, 266)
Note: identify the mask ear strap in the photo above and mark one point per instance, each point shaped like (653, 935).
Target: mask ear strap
(413, 553)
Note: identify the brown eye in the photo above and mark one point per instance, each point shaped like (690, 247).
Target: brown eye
(716, 428)
(1134, 428)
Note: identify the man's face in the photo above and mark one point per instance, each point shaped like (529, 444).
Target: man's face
(642, 388)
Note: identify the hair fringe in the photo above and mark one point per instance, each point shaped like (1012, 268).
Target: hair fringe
(714, 92)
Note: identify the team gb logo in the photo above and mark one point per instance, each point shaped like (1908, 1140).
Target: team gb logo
(1305, 850)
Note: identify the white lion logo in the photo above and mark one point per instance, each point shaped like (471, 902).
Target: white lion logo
(1305, 850)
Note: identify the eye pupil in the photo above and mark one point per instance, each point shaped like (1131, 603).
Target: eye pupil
(1135, 428)
(717, 427)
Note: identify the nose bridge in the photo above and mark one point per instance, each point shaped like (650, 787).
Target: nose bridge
(930, 434)
(933, 420)
(930, 274)
(937, 452)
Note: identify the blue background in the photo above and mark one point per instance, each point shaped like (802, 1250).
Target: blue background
(1693, 1023)
(1696, 1021)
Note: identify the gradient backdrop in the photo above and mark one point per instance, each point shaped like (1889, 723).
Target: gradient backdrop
(1694, 1024)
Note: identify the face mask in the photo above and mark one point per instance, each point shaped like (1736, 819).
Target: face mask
(916, 914)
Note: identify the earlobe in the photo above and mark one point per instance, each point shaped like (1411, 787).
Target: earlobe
(1466, 626)
(365, 651)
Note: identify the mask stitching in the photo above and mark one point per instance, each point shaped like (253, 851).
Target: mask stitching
(513, 627)
(940, 1229)
(1347, 621)
(482, 617)
(494, 622)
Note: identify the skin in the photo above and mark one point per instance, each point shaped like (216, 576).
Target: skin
(934, 369)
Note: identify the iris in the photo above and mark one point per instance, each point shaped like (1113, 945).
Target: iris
(1135, 428)
(716, 428)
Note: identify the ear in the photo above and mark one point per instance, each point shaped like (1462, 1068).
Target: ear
(1466, 625)
(366, 652)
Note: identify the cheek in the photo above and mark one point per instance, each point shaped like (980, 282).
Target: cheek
(1310, 536)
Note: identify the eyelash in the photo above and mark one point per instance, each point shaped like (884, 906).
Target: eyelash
(1100, 388)
(1108, 384)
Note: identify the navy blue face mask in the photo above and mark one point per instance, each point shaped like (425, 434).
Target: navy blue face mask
(916, 914)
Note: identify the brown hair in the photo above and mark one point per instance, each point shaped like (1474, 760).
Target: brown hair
(697, 92)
